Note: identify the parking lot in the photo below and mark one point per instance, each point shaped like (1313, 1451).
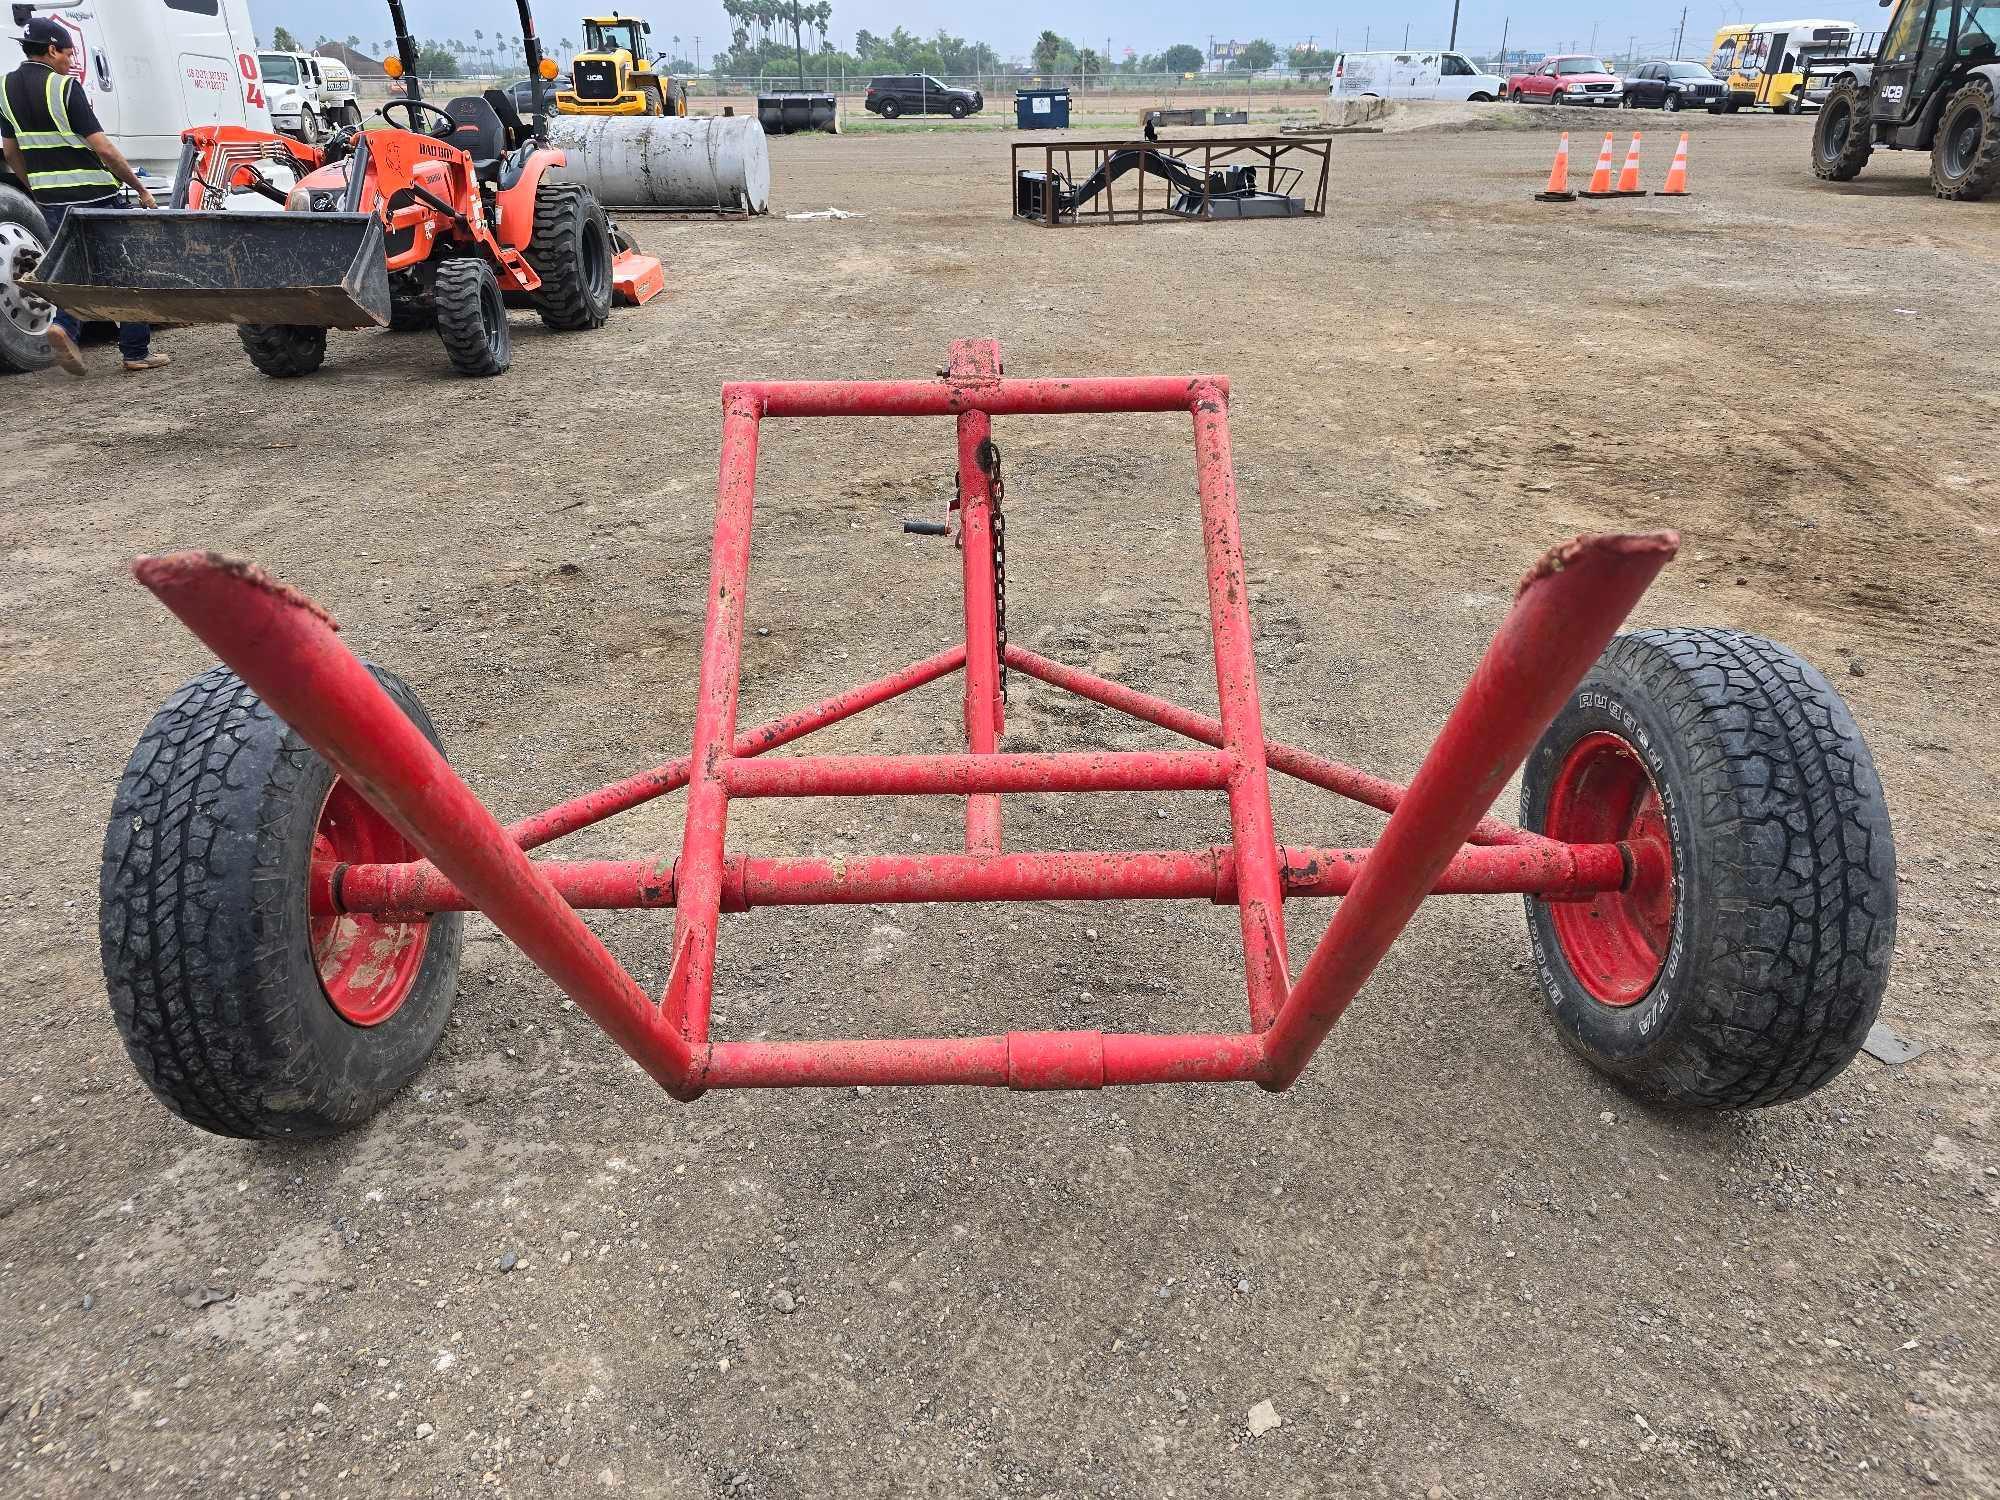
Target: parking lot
(1454, 1260)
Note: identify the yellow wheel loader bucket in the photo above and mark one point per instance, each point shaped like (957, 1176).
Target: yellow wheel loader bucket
(178, 266)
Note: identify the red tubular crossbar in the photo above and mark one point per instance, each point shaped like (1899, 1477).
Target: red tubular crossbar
(1564, 615)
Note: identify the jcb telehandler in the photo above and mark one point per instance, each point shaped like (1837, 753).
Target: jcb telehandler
(617, 72)
(436, 220)
(1930, 86)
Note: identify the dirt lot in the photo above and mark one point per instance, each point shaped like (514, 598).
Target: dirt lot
(1453, 1260)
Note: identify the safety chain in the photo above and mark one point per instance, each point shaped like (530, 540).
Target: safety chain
(989, 462)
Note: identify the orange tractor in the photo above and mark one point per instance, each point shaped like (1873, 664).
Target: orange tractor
(440, 218)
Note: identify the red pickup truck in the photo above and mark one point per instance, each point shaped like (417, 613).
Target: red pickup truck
(1568, 80)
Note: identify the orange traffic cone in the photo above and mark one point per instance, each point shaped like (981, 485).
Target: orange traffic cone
(1677, 174)
(1600, 179)
(1558, 189)
(1628, 175)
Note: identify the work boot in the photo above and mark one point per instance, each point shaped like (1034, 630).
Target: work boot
(63, 347)
(150, 362)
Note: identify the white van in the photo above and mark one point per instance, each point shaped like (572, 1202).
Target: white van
(1412, 75)
(309, 96)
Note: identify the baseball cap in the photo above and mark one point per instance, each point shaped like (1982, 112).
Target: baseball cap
(42, 32)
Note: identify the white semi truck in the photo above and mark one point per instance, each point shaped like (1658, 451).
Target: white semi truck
(151, 68)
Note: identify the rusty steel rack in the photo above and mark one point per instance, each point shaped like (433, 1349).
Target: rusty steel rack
(1141, 182)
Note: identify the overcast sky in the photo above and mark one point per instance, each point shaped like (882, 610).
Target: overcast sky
(1145, 25)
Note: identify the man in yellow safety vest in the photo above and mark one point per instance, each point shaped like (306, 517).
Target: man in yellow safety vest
(53, 142)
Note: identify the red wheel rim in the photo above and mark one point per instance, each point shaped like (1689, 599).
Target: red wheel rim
(1615, 942)
(367, 964)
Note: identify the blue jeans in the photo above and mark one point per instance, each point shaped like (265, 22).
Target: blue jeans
(135, 340)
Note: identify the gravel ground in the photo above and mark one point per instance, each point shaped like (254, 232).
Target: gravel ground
(1451, 1262)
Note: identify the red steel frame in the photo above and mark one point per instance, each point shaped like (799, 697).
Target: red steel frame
(1438, 838)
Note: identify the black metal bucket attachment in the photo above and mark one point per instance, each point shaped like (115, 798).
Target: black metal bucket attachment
(178, 266)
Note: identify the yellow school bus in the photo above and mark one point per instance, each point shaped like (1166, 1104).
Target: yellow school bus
(1763, 64)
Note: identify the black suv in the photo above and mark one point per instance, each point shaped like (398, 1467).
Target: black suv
(920, 94)
(1673, 85)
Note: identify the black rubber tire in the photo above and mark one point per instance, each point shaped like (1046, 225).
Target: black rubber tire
(571, 252)
(1784, 871)
(351, 114)
(471, 317)
(311, 131)
(1556, 99)
(283, 351)
(959, 109)
(1670, 102)
(1978, 174)
(1514, 97)
(411, 316)
(891, 109)
(1478, 98)
(206, 938)
(1842, 141)
(24, 239)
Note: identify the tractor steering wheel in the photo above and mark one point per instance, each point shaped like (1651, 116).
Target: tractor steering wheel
(417, 109)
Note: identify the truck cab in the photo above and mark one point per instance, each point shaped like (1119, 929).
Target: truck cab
(309, 96)
(153, 68)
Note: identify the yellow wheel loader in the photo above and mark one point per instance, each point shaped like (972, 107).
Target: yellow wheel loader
(618, 73)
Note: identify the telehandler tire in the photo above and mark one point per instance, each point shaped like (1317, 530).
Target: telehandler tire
(571, 252)
(472, 317)
(1965, 157)
(1842, 143)
(283, 351)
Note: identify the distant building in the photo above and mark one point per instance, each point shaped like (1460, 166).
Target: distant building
(360, 64)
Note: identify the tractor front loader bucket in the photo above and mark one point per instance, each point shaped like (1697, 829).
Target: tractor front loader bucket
(178, 266)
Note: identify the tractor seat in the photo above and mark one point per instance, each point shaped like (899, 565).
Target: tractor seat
(480, 133)
(510, 118)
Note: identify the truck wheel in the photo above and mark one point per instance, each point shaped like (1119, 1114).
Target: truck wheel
(244, 1012)
(891, 109)
(650, 94)
(351, 114)
(24, 317)
(959, 109)
(1842, 141)
(283, 351)
(472, 318)
(1514, 97)
(571, 252)
(1745, 960)
(1965, 158)
(310, 129)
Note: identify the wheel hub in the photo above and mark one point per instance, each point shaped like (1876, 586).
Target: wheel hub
(20, 253)
(367, 964)
(1615, 942)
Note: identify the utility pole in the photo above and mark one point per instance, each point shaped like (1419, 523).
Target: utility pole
(1631, 50)
(1367, 35)
(1593, 36)
(1681, 32)
(697, 54)
(1406, 36)
(1505, 22)
(1453, 43)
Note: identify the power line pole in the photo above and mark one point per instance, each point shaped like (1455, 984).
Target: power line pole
(1593, 36)
(1505, 22)
(1406, 36)
(1681, 32)
(1453, 43)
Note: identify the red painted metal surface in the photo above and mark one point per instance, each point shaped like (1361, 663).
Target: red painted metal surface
(286, 650)
(366, 966)
(1563, 617)
(1071, 771)
(1556, 871)
(1616, 942)
(985, 719)
(284, 647)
